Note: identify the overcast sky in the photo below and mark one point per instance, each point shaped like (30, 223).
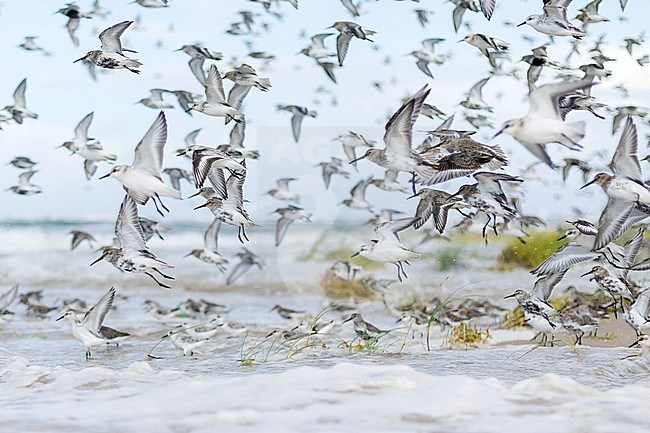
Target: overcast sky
(62, 93)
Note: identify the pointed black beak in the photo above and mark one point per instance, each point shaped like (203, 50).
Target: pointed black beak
(354, 255)
(199, 207)
(357, 159)
(497, 134)
(509, 296)
(561, 238)
(587, 273)
(105, 176)
(188, 110)
(78, 60)
(587, 184)
(184, 152)
(60, 318)
(194, 195)
(98, 260)
(519, 25)
(347, 320)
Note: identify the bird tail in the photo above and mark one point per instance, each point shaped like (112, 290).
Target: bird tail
(263, 84)
(111, 157)
(572, 133)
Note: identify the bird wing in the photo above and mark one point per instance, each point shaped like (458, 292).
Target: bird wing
(191, 137)
(110, 37)
(487, 7)
(211, 237)
(72, 26)
(566, 256)
(19, 94)
(281, 229)
(214, 86)
(342, 44)
(476, 92)
(388, 231)
(218, 182)
(196, 66)
(544, 100)
(239, 270)
(149, 151)
(359, 190)
(25, 177)
(296, 125)
(626, 161)
(556, 10)
(127, 226)
(238, 134)
(424, 212)
(544, 286)
(237, 95)
(81, 131)
(235, 186)
(202, 161)
(612, 221)
(423, 65)
(95, 316)
(399, 129)
(318, 41)
(90, 168)
(8, 298)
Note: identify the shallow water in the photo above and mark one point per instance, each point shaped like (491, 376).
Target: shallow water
(49, 386)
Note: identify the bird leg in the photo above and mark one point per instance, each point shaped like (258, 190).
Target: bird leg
(88, 354)
(575, 146)
(157, 209)
(401, 266)
(463, 213)
(494, 226)
(489, 218)
(161, 203)
(243, 230)
(169, 277)
(158, 282)
(399, 275)
(413, 183)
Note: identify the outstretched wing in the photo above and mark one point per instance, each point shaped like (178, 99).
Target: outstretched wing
(127, 227)
(95, 316)
(149, 152)
(111, 37)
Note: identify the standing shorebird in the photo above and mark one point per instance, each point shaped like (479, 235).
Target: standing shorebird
(628, 197)
(87, 330)
(110, 55)
(398, 154)
(364, 330)
(142, 180)
(611, 285)
(133, 254)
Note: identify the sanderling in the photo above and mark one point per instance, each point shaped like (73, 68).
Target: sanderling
(352, 140)
(133, 254)
(88, 148)
(628, 197)
(86, 330)
(19, 110)
(437, 203)
(298, 113)
(246, 76)
(151, 227)
(423, 16)
(474, 99)
(317, 49)
(155, 100)
(209, 163)
(215, 104)
(209, 253)
(358, 192)
(110, 55)
(247, 260)
(582, 166)
(78, 237)
(389, 182)
(98, 10)
(398, 154)
(74, 18)
(29, 44)
(364, 330)
(186, 342)
(537, 311)
(289, 214)
(427, 55)
(347, 30)
(199, 55)
(328, 169)
(282, 191)
(230, 209)
(176, 174)
(25, 187)
(636, 315)
(142, 180)
(625, 111)
(554, 21)
(485, 43)
(543, 124)
(152, 3)
(611, 285)
(459, 11)
(388, 248)
(589, 14)
(23, 162)
(383, 216)
(287, 313)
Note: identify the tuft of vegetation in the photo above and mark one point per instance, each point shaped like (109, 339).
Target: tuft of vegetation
(467, 335)
(339, 288)
(538, 247)
(514, 318)
(449, 258)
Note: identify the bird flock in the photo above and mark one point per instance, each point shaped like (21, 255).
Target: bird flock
(490, 198)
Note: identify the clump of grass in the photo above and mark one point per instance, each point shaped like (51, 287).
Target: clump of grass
(449, 258)
(607, 336)
(343, 253)
(514, 318)
(339, 288)
(538, 247)
(467, 335)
